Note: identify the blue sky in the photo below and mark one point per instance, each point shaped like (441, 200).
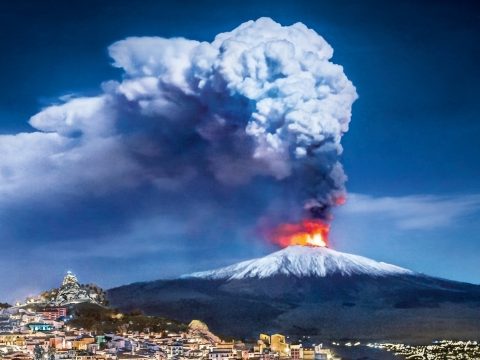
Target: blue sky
(411, 153)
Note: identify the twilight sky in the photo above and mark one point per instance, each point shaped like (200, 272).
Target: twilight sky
(79, 193)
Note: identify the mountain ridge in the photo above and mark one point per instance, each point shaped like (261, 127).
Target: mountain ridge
(338, 301)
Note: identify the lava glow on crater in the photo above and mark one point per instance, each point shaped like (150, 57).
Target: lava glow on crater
(306, 233)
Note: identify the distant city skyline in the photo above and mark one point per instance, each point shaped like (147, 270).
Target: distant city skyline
(411, 152)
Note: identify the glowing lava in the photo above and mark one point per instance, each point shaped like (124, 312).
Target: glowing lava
(306, 233)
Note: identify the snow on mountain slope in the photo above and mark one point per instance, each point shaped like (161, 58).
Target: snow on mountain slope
(302, 261)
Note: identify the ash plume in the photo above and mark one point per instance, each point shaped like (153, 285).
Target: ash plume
(263, 101)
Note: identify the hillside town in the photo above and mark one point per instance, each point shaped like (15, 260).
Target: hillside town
(74, 323)
(45, 328)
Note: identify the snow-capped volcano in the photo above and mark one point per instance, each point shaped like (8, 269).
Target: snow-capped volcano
(313, 291)
(302, 261)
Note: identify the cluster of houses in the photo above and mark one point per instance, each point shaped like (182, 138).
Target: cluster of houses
(20, 320)
(36, 330)
(45, 335)
(76, 345)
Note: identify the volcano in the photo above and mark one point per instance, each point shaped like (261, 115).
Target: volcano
(313, 291)
(302, 261)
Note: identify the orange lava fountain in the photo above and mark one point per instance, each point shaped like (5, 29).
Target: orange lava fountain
(306, 233)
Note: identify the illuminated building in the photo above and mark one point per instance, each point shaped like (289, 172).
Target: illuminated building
(263, 343)
(226, 346)
(40, 327)
(296, 352)
(278, 344)
(53, 313)
(220, 354)
(308, 353)
(265, 338)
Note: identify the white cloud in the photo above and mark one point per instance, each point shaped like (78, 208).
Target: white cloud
(414, 212)
(263, 100)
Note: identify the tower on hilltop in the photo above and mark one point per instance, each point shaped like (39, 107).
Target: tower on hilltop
(69, 279)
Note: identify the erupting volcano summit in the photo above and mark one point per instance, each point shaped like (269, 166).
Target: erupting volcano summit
(307, 233)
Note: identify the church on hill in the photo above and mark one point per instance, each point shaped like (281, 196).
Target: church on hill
(72, 292)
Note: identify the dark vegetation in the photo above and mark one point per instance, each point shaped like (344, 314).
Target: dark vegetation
(104, 320)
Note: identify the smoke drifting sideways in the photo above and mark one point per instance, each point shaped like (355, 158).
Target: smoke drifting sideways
(263, 103)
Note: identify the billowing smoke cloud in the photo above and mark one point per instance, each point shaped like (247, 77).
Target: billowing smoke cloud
(260, 102)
